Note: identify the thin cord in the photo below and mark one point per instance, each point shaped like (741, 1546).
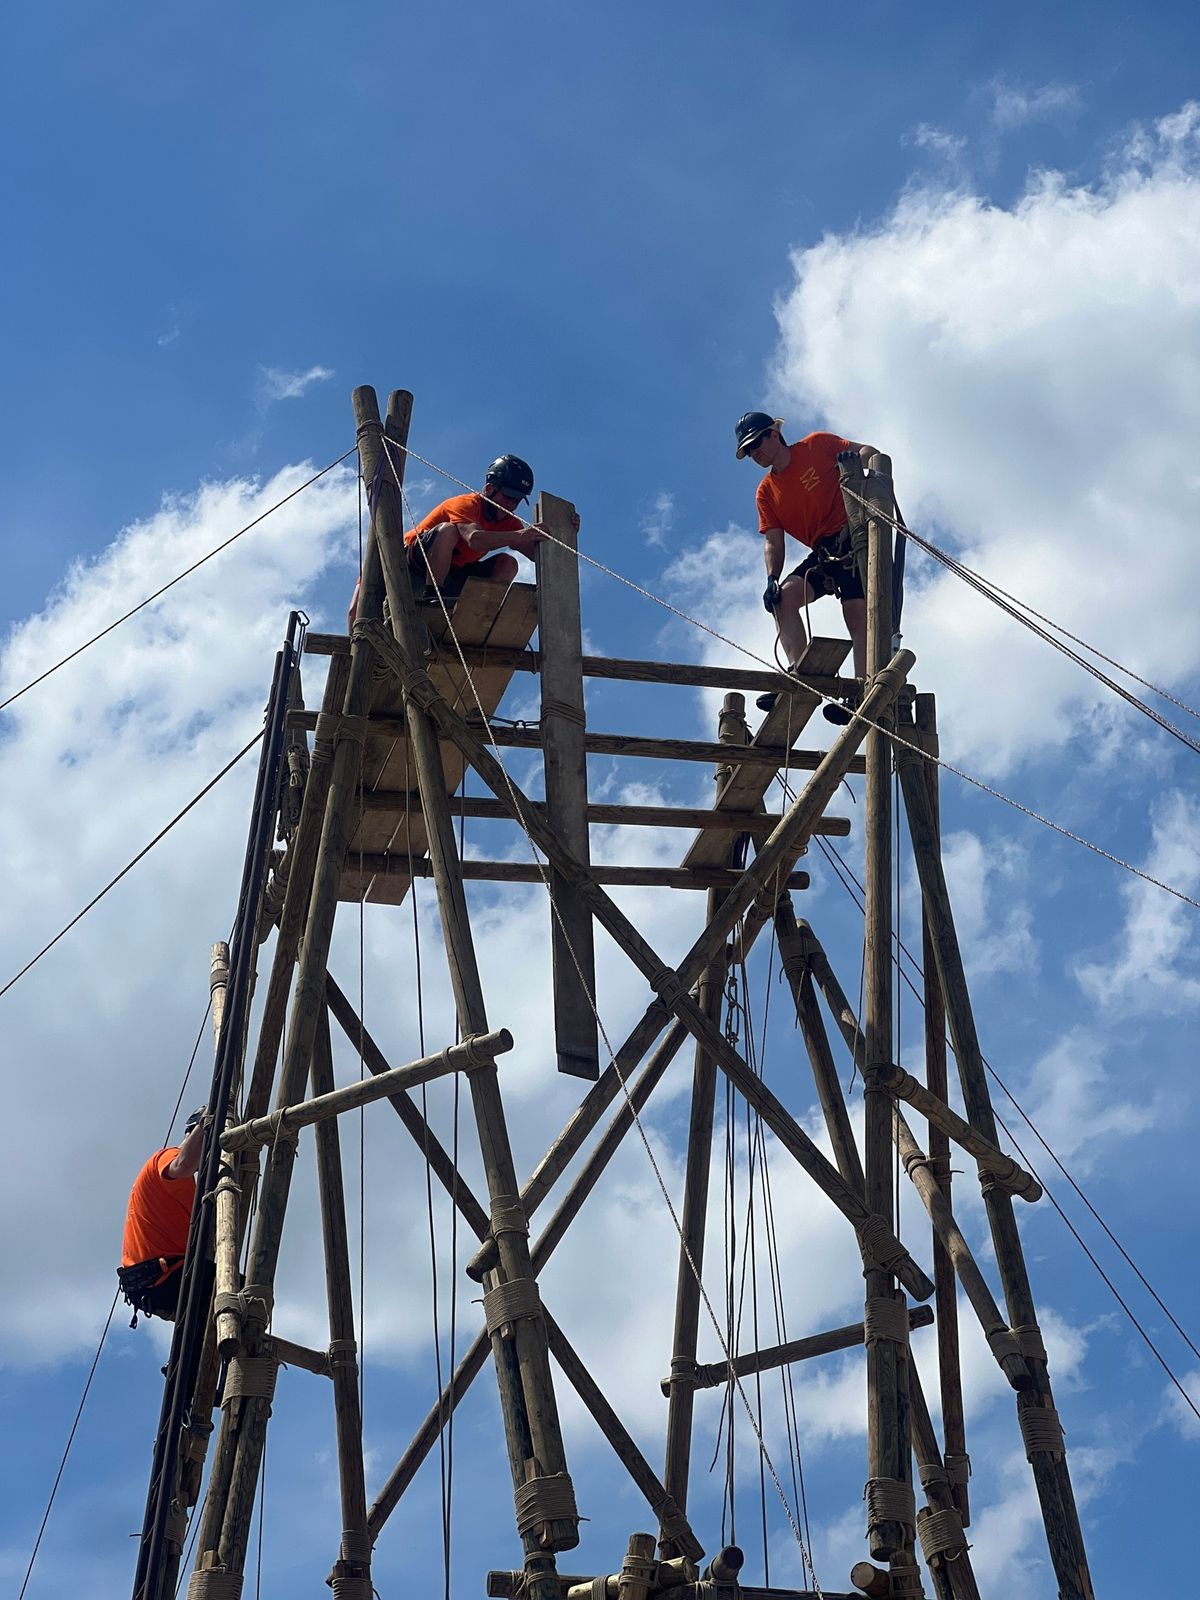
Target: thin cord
(145, 851)
(70, 1441)
(179, 577)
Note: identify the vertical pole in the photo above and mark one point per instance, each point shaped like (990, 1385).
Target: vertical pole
(731, 730)
(1036, 1413)
(351, 1579)
(563, 721)
(546, 1515)
(890, 1524)
(949, 1367)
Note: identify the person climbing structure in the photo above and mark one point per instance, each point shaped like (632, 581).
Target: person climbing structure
(157, 1222)
(801, 497)
(469, 536)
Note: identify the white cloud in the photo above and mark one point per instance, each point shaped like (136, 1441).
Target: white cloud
(1026, 367)
(1152, 968)
(1076, 1103)
(659, 519)
(1013, 107)
(987, 883)
(276, 384)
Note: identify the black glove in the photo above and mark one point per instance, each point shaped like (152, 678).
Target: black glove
(772, 595)
(850, 461)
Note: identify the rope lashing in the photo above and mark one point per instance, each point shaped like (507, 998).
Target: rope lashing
(325, 736)
(600, 1588)
(905, 1580)
(508, 1216)
(352, 1586)
(889, 1500)
(1042, 1431)
(958, 1466)
(251, 1378)
(198, 1435)
(880, 1248)
(685, 1372)
(356, 1545)
(941, 1534)
(510, 1302)
(215, 1586)
(672, 1522)
(552, 707)
(1002, 1344)
(1029, 1338)
(344, 1353)
(254, 1302)
(885, 1318)
(550, 1499)
(352, 728)
(932, 1473)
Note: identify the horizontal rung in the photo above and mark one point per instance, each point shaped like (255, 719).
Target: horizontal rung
(398, 801)
(373, 865)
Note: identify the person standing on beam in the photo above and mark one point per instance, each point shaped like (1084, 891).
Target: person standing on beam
(469, 536)
(801, 497)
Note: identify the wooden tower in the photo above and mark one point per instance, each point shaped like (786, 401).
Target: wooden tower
(361, 808)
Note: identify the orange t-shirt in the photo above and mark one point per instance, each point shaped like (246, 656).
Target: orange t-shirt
(465, 508)
(160, 1212)
(805, 499)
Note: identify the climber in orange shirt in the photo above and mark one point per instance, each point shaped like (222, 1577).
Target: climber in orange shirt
(157, 1223)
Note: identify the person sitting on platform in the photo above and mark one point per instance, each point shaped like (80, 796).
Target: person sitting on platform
(157, 1223)
(469, 536)
(801, 497)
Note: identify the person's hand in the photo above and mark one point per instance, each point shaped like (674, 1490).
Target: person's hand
(535, 533)
(849, 460)
(772, 595)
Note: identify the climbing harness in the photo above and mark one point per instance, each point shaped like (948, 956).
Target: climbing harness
(138, 1283)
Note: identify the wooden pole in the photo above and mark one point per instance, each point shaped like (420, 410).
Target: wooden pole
(352, 1571)
(616, 816)
(1036, 1411)
(709, 1375)
(468, 1056)
(890, 1525)
(396, 865)
(244, 1420)
(546, 1515)
(954, 1427)
(1001, 1171)
(938, 1523)
(563, 720)
(731, 731)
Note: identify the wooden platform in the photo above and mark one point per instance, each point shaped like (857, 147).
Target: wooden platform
(485, 614)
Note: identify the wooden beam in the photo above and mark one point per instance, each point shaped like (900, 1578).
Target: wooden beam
(606, 815)
(381, 866)
(564, 756)
(712, 1374)
(390, 726)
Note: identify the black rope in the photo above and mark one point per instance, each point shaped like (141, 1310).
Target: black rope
(178, 578)
(145, 851)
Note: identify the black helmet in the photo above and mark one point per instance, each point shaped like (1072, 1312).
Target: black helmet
(194, 1121)
(511, 475)
(748, 429)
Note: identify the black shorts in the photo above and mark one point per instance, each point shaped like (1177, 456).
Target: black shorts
(455, 578)
(831, 569)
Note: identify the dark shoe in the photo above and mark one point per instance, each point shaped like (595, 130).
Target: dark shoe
(766, 702)
(838, 715)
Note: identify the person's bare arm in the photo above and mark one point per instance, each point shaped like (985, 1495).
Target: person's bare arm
(485, 540)
(773, 552)
(187, 1158)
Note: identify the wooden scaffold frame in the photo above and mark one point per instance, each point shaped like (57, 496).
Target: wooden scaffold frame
(402, 698)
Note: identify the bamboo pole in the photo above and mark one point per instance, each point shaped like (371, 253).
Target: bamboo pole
(1002, 1171)
(949, 1566)
(351, 1574)
(954, 1426)
(710, 1375)
(247, 1418)
(671, 985)
(536, 1455)
(889, 1469)
(469, 1056)
(731, 732)
(606, 815)
(572, 945)
(1044, 1447)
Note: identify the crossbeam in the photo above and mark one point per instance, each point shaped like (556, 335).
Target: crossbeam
(709, 1375)
(398, 864)
(617, 816)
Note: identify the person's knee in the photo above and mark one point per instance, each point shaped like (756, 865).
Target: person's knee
(796, 594)
(503, 568)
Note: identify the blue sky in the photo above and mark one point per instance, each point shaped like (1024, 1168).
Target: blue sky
(594, 236)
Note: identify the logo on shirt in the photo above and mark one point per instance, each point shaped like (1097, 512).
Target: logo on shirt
(810, 480)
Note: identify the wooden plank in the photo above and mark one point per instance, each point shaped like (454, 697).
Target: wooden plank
(622, 877)
(484, 612)
(572, 943)
(606, 815)
(746, 785)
